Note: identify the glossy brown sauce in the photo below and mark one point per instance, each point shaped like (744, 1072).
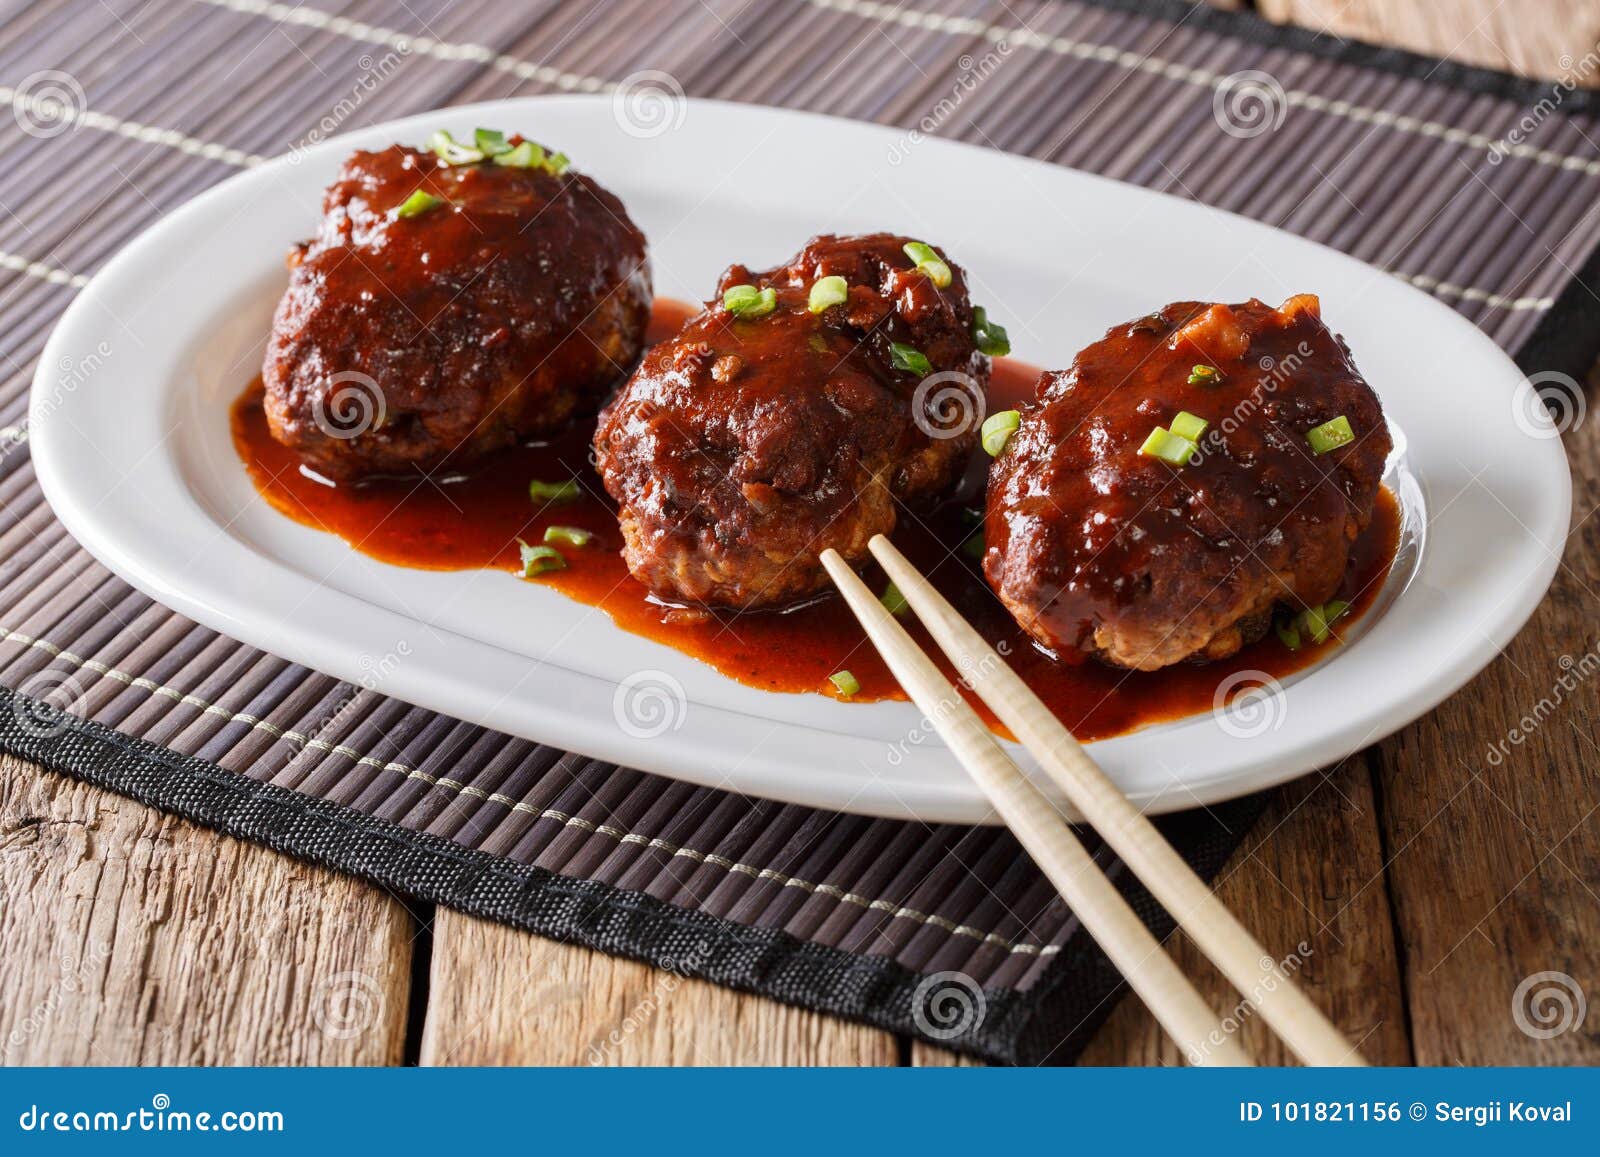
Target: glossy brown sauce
(473, 520)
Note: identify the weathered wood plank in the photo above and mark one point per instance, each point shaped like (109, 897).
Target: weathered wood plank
(1310, 873)
(500, 996)
(133, 938)
(1492, 824)
(1554, 39)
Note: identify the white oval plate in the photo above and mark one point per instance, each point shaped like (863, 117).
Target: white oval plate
(137, 461)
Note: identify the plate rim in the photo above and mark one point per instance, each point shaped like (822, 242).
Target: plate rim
(684, 757)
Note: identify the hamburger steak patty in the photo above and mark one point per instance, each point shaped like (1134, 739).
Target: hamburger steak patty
(1097, 547)
(746, 445)
(403, 341)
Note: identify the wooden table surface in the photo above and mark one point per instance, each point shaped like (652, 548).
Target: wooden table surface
(1427, 882)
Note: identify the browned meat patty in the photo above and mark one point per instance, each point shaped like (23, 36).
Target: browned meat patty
(1095, 546)
(404, 341)
(745, 446)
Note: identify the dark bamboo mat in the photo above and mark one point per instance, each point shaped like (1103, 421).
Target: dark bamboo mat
(1460, 181)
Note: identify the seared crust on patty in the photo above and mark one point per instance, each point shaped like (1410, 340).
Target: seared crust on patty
(1098, 548)
(403, 343)
(744, 447)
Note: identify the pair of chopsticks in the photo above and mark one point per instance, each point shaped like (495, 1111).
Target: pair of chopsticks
(1150, 972)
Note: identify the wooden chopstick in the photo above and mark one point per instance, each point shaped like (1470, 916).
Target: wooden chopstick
(1039, 827)
(1218, 933)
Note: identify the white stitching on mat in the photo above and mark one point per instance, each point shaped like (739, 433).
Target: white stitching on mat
(193, 146)
(1201, 77)
(1466, 293)
(427, 45)
(896, 911)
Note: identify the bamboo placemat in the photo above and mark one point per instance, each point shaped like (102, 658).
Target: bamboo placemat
(1474, 186)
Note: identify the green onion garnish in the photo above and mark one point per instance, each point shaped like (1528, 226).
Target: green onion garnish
(749, 302)
(929, 262)
(545, 492)
(417, 204)
(451, 151)
(1173, 449)
(490, 143)
(557, 164)
(909, 358)
(527, 155)
(974, 546)
(1314, 622)
(997, 429)
(1330, 435)
(1204, 376)
(989, 336)
(846, 683)
(1187, 425)
(536, 560)
(827, 291)
(571, 535)
(893, 601)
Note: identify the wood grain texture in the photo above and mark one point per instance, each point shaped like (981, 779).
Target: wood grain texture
(134, 938)
(504, 997)
(1491, 823)
(1310, 873)
(1553, 39)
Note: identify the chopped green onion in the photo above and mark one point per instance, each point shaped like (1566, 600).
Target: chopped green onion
(1315, 623)
(571, 535)
(544, 492)
(417, 204)
(749, 302)
(1173, 449)
(929, 262)
(558, 164)
(974, 546)
(1187, 425)
(827, 291)
(1330, 435)
(451, 151)
(909, 358)
(527, 155)
(990, 336)
(846, 683)
(997, 429)
(536, 560)
(1204, 376)
(893, 601)
(490, 143)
